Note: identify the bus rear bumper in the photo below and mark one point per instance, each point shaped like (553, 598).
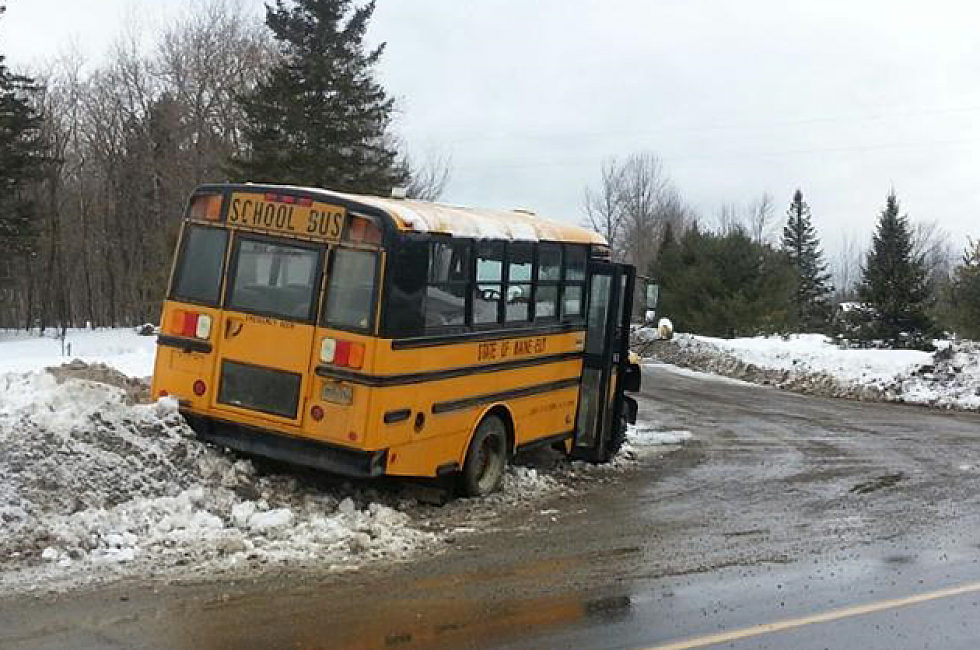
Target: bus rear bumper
(298, 451)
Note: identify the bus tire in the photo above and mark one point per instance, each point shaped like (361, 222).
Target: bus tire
(616, 440)
(486, 459)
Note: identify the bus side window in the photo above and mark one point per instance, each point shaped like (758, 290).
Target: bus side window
(489, 283)
(448, 285)
(407, 270)
(520, 267)
(548, 282)
(573, 283)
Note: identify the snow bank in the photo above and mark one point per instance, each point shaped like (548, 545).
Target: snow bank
(94, 486)
(815, 353)
(86, 480)
(812, 364)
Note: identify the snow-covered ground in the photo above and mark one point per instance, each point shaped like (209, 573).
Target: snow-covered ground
(95, 487)
(948, 378)
(816, 353)
(122, 349)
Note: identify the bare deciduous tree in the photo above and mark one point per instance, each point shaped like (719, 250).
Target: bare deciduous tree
(632, 206)
(603, 208)
(644, 189)
(126, 144)
(430, 178)
(933, 244)
(760, 218)
(728, 218)
(846, 268)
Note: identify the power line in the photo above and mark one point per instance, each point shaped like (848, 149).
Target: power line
(736, 155)
(711, 128)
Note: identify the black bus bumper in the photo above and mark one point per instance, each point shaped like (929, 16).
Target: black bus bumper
(298, 451)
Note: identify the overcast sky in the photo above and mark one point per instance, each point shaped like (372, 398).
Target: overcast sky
(844, 99)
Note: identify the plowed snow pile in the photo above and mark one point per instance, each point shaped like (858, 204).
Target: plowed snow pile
(812, 364)
(88, 480)
(94, 486)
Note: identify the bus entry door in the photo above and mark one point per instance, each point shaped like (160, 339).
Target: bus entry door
(598, 390)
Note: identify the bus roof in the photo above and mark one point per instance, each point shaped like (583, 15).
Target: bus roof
(458, 221)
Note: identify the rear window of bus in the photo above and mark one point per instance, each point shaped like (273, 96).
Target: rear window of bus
(275, 279)
(351, 290)
(198, 275)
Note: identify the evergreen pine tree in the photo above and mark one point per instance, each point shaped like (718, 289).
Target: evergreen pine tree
(894, 283)
(320, 118)
(801, 245)
(20, 162)
(724, 284)
(964, 293)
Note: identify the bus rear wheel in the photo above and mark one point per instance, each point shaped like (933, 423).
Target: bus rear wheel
(486, 458)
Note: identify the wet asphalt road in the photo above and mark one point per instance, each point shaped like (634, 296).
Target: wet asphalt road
(847, 525)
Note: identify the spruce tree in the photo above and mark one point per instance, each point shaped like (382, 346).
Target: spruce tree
(320, 118)
(894, 283)
(724, 284)
(964, 293)
(20, 162)
(802, 247)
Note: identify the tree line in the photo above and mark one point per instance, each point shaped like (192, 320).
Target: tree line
(96, 163)
(744, 275)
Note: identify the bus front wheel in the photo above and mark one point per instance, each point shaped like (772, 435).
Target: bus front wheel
(486, 458)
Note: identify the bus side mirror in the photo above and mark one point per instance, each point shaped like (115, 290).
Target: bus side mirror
(652, 300)
(653, 296)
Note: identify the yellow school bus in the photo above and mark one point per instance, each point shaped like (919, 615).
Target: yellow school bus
(373, 336)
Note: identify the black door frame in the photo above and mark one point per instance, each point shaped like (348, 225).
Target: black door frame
(609, 360)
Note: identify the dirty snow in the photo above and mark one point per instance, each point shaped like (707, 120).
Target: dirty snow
(815, 353)
(94, 487)
(696, 374)
(645, 434)
(812, 363)
(90, 482)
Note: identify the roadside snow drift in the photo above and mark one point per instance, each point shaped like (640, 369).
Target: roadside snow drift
(813, 364)
(89, 480)
(95, 486)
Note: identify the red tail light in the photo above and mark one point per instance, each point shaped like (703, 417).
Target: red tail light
(190, 324)
(200, 388)
(346, 354)
(342, 355)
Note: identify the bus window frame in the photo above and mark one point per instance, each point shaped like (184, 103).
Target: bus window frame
(563, 322)
(583, 283)
(178, 265)
(470, 246)
(557, 284)
(321, 320)
(532, 246)
(499, 323)
(240, 235)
